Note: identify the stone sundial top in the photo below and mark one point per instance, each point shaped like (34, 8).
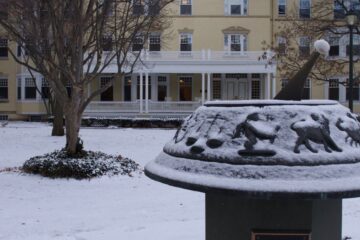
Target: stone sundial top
(265, 149)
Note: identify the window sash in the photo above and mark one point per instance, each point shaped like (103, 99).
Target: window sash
(281, 7)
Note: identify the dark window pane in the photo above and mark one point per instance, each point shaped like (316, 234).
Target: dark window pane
(19, 93)
(304, 51)
(127, 93)
(235, 47)
(3, 52)
(282, 10)
(185, 47)
(304, 13)
(154, 8)
(30, 92)
(356, 50)
(3, 93)
(108, 95)
(138, 8)
(355, 93)
(162, 90)
(339, 13)
(137, 47)
(334, 50)
(45, 91)
(106, 43)
(334, 94)
(306, 93)
(185, 9)
(235, 9)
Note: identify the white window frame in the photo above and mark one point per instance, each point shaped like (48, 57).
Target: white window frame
(228, 42)
(302, 7)
(188, 36)
(282, 3)
(158, 38)
(243, 7)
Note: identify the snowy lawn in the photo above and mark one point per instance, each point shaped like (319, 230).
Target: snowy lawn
(137, 208)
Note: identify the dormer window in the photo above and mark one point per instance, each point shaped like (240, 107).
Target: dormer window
(236, 7)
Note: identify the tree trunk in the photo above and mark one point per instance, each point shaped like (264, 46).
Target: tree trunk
(58, 123)
(72, 124)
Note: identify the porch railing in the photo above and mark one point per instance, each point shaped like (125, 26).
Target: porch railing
(112, 108)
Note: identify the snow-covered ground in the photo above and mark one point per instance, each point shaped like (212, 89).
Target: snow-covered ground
(137, 208)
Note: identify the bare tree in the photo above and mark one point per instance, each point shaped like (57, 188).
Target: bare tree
(296, 34)
(72, 42)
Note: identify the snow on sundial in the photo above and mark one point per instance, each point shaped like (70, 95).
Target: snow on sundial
(236, 145)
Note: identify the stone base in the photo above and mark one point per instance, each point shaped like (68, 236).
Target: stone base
(235, 218)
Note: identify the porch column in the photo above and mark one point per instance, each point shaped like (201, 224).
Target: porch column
(203, 88)
(38, 82)
(22, 88)
(208, 86)
(146, 92)
(342, 91)
(267, 86)
(273, 86)
(141, 92)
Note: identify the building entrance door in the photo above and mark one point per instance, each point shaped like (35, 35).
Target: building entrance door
(236, 89)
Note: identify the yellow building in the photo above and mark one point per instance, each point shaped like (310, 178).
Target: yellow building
(214, 50)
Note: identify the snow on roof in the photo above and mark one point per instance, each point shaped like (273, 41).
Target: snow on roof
(307, 148)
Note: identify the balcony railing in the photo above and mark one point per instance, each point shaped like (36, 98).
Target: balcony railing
(206, 55)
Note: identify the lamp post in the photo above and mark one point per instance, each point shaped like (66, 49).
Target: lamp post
(351, 20)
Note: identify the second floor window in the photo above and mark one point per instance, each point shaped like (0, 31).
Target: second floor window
(236, 7)
(154, 42)
(304, 10)
(45, 89)
(30, 88)
(3, 47)
(185, 7)
(153, 7)
(281, 7)
(234, 42)
(334, 46)
(138, 7)
(106, 43)
(138, 43)
(186, 42)
(304, 47)
(281, 45)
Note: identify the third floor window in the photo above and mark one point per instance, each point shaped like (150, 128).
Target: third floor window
(304, 9)
(342, 6)
(185, 42)
(281, 7)
(236, 7)
(185, 7)
(155, 42)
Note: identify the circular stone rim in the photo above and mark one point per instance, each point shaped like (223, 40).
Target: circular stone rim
(250, 194)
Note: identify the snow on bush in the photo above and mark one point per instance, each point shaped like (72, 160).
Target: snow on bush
(90, 164)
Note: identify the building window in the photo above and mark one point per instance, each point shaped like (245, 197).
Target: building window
(281, 7)
(255, 89)
(19, 89)
(216, 86)
(356, 46)
(334, 89)
(307, 87)
(4, 11)
(3, 47)
(281, 41)
(138, 7)
(138, 43)
(45, 89)
(108, 94)
(185, 88)
(185, 42)
(234, 42)
(339, 11)
(355, 92)
(334, 46)
(127, 88)
(284, 82)
(162, 88)
(304, 47)
(4, 95)
(304, 11)
(144, 87)
(153, 7)
(236, 7)
(30, 88)
(106, 43)
(185, 7)
(155, 42)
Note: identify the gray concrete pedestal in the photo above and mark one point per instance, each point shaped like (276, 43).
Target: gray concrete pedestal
(235, 218)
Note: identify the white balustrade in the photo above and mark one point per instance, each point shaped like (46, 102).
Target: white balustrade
(179, 107)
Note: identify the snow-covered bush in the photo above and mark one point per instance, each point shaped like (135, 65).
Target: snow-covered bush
(87, 165)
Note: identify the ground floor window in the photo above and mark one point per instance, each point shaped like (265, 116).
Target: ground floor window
(162, 88)
(355, 92)
(216, 86)
(19, 89)
(307, 88)
(334, 89)
(284, 82)
(144, 87)
(45, 89)
(127, 88)
(255, 89)
(108, 94)
(4, 95)
(185, 88)
(30, 88)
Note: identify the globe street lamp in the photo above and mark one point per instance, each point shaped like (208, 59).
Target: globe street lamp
(351, 19)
